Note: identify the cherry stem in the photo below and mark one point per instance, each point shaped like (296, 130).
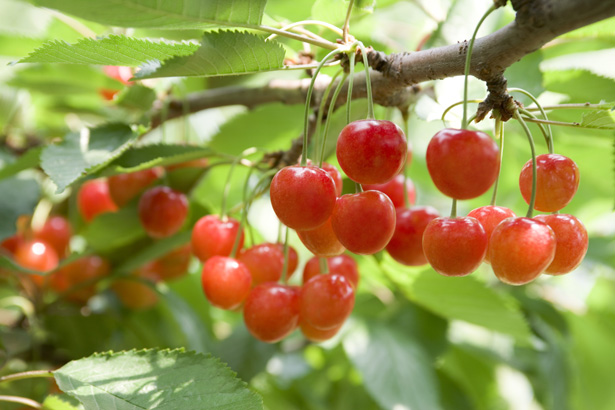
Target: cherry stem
(560, 123)
(406, 117)
(22, 400)
(324, 265)
(227, 184)
(548, 138)
(454, 209)
(549, 135)
(321, 109)
(368, 83)
(326, 25)
(466, 70)
(586, 106)
(358, 188)
(305, 39)
(336, 93)
(450, 107)
(285, 265)
(499, 132)
(346, 25)
(518, 117)
(351, 58)
(26, 375)
(307, 106)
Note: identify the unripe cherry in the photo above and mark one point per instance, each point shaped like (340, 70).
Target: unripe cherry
(302, 197)
(455, 246)
(557, 180)
(364, 222)
(521, 249)
(406, 245)
(371, 151)
(271, 311)
(572, 242)
(463, 164)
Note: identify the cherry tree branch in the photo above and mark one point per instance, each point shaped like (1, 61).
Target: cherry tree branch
(394, 77)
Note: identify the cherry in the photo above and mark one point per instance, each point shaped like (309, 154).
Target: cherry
(342, 265)
(455, 246)
(124, 187)
(406, 245)
(80, 275)
(394, 189)
(293, 259)
(318, 335)
(326, 301)
(271, 311)
(463, 164)
(364, 222)
(264, 261)
(213, 236)
(226, 282)
(371, 151)
(10, 244)
(57, 233)
(489, 217)
(174, 264)
(322, 241)
(162, 211)
(94, 199)
(572, 242)
(38, 256)
(121, 73)
(302, 197)
(335, 174)
(134, 293)
(520, 249)
(557, 180)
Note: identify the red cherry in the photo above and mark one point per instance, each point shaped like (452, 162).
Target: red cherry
(302, 197)
(226, 282)
(121, 73)
(463, 164)
(318, 335)
(10, 244)
(364, 222)
(212, 236)
(57, 233)
(406, 245)
(322, 241)
(124, 187)
(94, 199)
(293, 259)
(520, 249)
(38, 256)
(174, 264)
(271, 311)
(342, 265)
(394, 189)
(371, 151)
(264, 261)
(80, 275)
(455, 246)
(489, 217)
(326, 301)
(572, 242)
(335, 174)
(162, 211)
(557, 182)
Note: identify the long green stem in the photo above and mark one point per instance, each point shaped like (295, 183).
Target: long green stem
(305, 39)
(548, 137)
(307, 106)
(542, 111)
(350, 84)
(346, 25)
(22, 400)
(454, 209)
(325, 134)
(290, 26)
(26, 375)
(368, 84)
(586, 106)
(466, 71)
(560, 123)
(285, 265)
(325, 97)
(442, 118)
(324, 265)
(518, 117)
(499, 132)
(227, 184)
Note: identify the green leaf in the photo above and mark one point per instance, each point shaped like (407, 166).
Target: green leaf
(221, 53)
(112, 50)
(397, 371)
(112, 230)
(460, 298)
(602, 30)
(603, 120)
(53, 402)
(63, 80)
(19, 197)
(157, 249)
(28, 160)
(599, 62)
(80, 154)
(162, 14)
(137, 97)
(155, 379)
